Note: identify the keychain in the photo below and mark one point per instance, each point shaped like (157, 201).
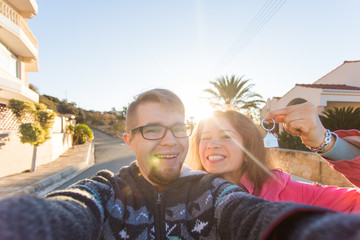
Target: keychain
(270, 140)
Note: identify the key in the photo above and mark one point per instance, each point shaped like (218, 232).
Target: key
(270, 141)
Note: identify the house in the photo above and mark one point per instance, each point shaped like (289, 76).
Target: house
(18, 57)
(339, 88)
(18, 50)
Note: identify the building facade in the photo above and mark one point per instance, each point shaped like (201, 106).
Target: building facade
(19, 56)
(339, 88)
(18, 50)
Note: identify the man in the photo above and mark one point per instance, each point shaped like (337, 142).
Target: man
(156, 198)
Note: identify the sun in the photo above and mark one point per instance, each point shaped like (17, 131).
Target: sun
(197, 110)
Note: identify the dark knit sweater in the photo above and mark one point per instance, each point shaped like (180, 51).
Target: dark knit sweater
(126, 206)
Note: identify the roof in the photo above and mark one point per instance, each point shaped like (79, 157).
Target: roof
(345, 62)
(329, 86)
(351, 61)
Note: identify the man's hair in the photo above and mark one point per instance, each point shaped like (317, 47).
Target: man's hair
(252, 142)
(157, 95)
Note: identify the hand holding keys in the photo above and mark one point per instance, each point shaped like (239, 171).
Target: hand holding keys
(270, 140)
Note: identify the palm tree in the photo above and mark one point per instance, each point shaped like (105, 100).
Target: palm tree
(341, 118)
(233, 93)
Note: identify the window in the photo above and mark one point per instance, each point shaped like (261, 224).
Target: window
(8, 61)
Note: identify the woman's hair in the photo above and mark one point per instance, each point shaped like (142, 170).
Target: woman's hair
(157, 95)
(252, 143)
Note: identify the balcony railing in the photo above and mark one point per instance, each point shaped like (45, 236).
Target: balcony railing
(16, 18)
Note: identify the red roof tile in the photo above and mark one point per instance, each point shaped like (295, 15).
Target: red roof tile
(329, 86)
(351, 61)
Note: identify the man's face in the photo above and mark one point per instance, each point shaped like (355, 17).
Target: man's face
(160, 161)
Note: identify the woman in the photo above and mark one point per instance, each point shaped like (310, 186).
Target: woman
(231, 145)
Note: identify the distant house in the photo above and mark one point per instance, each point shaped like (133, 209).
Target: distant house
(18, 50)
(338, 88)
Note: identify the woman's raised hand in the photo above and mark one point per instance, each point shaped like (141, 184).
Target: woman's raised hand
(301, 120)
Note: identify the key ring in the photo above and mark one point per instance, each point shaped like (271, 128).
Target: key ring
(268, 130)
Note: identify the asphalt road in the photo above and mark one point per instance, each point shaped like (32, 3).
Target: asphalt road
(110, 153)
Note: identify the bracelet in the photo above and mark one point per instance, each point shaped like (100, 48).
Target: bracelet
(325, 143)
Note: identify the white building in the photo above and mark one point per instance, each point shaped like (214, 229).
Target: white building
(18, 56)
(338, 88)
(18, 50)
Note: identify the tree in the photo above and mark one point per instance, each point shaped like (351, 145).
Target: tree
(50, 104)
(341, 118)
(34, 88)
(233, 93)
(37, 131)
(67, 108)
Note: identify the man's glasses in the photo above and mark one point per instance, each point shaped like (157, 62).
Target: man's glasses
(156, 132)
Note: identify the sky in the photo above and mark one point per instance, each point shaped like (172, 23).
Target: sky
(100, 54)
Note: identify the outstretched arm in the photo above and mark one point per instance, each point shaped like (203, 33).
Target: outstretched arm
(73, 213)
(33, 218)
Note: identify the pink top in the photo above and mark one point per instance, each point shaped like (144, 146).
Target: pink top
(340, 199)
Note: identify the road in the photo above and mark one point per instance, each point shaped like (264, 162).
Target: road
(110, 153)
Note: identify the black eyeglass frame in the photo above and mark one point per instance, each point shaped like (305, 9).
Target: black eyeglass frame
(140, 129)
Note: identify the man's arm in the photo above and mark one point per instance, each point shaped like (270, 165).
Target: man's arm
(73, 213)
(33, 218)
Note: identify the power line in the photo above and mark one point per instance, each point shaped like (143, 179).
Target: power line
(264, 15)
(253, 22)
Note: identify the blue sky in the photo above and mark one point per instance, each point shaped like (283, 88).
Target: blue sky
(99, 54)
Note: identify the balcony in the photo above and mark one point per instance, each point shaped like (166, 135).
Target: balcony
(26, 8)
(16, 35)
(12, 87)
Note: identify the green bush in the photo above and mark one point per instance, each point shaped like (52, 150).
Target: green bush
(82, 133)
(20, 108)
(45, 118)
(288, 141)
(33, 134)
(40, 106)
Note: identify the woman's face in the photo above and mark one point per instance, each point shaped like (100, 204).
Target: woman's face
(220, 149)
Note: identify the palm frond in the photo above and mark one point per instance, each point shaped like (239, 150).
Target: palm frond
(233, 92)
(341, 118)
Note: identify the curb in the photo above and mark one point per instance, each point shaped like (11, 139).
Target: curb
(47, 185)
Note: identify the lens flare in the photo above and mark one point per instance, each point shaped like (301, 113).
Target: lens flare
(127, 190)
(155, 162)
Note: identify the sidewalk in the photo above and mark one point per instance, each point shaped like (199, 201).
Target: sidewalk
(51, 175)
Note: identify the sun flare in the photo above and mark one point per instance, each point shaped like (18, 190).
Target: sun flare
(195, 111)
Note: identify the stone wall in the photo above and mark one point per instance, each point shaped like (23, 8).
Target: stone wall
(307, 165)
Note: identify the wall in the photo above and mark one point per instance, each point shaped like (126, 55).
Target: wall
(332, 105)
(307, 165)
(348, 73)
(16, 157)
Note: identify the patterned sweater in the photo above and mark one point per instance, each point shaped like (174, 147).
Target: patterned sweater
(195, 206)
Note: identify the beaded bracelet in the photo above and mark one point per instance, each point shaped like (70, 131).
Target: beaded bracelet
(325, 143)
